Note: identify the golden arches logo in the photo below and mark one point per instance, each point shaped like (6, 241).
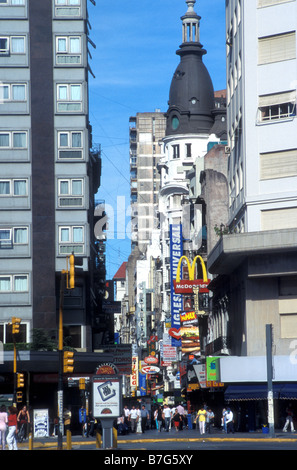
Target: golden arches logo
(191, 268)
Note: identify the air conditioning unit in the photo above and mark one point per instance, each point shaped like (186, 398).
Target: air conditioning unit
(227, 150)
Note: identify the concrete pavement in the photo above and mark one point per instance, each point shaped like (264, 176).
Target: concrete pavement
(152, 435)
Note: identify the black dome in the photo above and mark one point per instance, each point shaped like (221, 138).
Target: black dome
(191, 96)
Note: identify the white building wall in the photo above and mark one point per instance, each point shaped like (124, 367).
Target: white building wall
(246, 23)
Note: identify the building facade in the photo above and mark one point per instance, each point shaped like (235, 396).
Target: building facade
(253, 263)
(50, 170)
(146, 133)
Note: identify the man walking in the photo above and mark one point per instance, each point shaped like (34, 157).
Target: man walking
(144, 417)
(133, 419)
(229, 421)
(167, 417)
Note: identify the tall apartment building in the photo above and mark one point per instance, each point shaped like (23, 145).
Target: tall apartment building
(146, 133)
(49, 171)
(255, 267)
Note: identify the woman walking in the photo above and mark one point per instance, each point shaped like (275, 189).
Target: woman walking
(12, 428)
(3, 426)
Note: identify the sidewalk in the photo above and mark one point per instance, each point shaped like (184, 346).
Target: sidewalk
(216, 435)
(153, 435)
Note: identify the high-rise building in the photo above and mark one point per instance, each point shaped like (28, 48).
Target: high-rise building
(49, 169)
(146, 133)
(254, 261)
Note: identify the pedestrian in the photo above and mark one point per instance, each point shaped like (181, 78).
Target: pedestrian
(133, 417)
(144, 417)
(91, 425)
(24, 420)
(201, 417)
(223, 420)
(3, 426)
(138, 425)
(209, 420)
(12, 428)
(127, 416)
(167, 416)
(181, 411)
(289, 419)
(176, 420)
(159, 418)
(229, 421)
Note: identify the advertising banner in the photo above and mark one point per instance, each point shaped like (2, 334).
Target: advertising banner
(190, 340)
(107, 393)
(41, 423)
(134, 375)
(142, 384)
(176, 251)
(213, 369)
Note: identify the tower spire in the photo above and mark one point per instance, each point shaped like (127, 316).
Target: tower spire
(191, 24)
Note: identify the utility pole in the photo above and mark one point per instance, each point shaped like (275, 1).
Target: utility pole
(269, 379)
(65, 358)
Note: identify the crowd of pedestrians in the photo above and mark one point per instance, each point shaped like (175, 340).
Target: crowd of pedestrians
(164, 418)
(12, 423)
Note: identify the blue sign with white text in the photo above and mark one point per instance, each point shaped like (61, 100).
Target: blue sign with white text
(176, 252)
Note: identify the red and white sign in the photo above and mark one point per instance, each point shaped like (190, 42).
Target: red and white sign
(174, 332)
(185, 286)
(150, 370)
(151, 360)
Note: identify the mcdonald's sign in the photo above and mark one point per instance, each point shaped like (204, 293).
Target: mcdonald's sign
(185, 286)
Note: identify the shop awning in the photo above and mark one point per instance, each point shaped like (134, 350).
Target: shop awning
(260, 392)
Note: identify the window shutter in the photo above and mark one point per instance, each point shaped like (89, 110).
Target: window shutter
(278, 164)
(278, 219)
(277, 48)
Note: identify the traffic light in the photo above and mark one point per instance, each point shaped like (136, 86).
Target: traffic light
(20, 380)
(82, 384)
(74, 262)
(19, 397)
(16, 325)
(71, 272)
(68, 362)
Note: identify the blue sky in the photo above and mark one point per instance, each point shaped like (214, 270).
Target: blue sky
(133, 64)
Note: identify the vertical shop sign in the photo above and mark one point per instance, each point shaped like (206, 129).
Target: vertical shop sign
(176, 251)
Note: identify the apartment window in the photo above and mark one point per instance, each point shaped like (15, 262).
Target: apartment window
(13, 187)
(69, 97)
(12, 45)
(71, 239)
(13, 140)
(277, 106)
(277, 48)
(70, 192)
(175, 149)
(67, 7)
(68, 50)
(70, 144)
(14, 283)
(12, 92)
(12, 2)
(188, 150)
(13, 236)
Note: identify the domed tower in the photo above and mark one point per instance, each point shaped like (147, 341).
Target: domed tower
(191, 96)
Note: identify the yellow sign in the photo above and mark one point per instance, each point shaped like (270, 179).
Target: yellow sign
(191, 268)
(185, 286)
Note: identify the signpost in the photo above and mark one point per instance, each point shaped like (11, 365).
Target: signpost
(107, 404)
